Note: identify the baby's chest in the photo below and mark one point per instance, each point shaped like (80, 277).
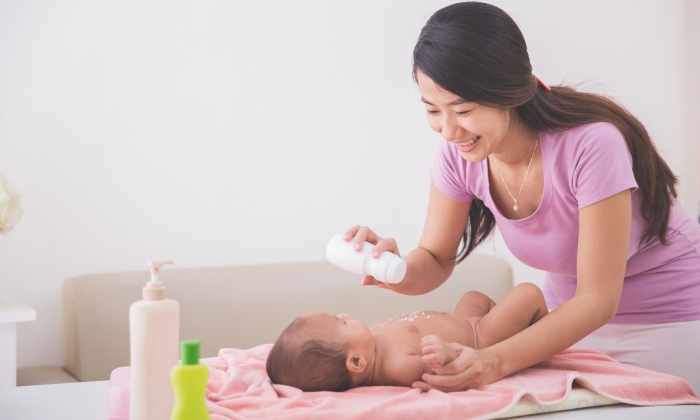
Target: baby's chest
(449, 328)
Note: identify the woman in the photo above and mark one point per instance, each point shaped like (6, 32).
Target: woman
(577, 189)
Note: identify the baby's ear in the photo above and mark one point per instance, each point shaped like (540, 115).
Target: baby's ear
(355, 364)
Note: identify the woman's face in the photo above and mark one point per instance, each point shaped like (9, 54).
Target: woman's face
(476, 130)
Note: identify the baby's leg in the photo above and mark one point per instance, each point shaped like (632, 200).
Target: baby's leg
(436, 352)
(474, 304)
(522, 307)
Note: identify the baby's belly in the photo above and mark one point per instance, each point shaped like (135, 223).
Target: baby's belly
(414, 326)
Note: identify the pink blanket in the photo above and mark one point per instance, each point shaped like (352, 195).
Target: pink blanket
(239, 388)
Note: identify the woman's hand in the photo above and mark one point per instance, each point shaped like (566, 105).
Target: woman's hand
(359, 234)
(470, 370)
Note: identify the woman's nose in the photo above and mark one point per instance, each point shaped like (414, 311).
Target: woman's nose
(449, 130)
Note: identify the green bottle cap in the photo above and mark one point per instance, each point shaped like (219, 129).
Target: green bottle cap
(189, 352)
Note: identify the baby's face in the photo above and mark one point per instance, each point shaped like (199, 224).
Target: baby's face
(342, 329)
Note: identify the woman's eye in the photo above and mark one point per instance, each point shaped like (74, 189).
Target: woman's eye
(463, 112)
(432, 112)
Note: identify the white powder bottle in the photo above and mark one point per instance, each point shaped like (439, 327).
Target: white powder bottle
(388, 268)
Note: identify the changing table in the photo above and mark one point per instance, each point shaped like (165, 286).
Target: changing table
(88, 401)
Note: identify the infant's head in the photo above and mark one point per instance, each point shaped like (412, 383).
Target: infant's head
(322, 352)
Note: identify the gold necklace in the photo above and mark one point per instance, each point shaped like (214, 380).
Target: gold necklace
(515, 207)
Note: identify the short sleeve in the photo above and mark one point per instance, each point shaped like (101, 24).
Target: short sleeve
(603, 165)
(448, 173)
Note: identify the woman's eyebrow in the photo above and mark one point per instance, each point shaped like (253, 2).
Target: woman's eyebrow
(457, 101)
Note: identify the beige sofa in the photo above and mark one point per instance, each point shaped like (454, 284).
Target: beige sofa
(239, 307)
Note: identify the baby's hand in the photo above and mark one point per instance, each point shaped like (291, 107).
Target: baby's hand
(434, 351)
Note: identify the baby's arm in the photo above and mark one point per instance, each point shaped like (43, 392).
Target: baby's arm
(436, 352)
(522, 307)
(403, 368)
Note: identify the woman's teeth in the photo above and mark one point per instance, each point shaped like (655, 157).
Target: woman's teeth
(469, 142)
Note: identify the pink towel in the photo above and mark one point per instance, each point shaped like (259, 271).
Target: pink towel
(239, 388)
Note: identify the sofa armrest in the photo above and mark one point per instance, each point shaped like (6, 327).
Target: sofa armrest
(42, 375)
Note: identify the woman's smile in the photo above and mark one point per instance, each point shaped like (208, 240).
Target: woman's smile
(469, 145)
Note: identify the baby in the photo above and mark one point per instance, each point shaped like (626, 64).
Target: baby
(322, 352)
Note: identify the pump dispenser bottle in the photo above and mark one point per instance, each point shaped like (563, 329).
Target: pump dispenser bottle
(154, 331)
(388, 268)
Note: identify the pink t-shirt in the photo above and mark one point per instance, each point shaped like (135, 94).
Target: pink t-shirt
(582, 166)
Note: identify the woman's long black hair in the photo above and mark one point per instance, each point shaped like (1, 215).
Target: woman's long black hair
(476, 51)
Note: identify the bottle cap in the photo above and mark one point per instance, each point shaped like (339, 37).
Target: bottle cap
(189, 352)
(154, 291)
(396, 271)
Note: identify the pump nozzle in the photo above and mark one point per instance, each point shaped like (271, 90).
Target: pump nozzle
(155, 266)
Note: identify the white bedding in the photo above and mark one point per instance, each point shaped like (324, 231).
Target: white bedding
(578, 398)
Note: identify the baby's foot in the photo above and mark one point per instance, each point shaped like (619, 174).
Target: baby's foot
(434, 351)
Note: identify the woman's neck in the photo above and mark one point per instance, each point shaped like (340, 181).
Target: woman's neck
(517, 146)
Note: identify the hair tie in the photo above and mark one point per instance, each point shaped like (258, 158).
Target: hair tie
(543, 84)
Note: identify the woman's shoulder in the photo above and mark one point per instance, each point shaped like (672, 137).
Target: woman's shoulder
(455, 176)
(596, 137)
(593, 158)
(596, 132)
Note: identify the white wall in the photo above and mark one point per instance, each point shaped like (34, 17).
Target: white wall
(221, 133)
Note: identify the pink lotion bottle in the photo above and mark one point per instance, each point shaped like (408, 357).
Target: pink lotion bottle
(155, 336)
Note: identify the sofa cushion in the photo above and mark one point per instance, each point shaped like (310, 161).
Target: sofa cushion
(243, 306)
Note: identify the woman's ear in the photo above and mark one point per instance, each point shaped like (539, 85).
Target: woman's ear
(355, 364)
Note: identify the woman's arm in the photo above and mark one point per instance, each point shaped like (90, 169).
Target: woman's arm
(604, 234)
(432, 262)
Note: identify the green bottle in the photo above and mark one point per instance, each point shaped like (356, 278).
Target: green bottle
(190, 383)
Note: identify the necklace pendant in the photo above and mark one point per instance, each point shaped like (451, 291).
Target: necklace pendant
(515, 207)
